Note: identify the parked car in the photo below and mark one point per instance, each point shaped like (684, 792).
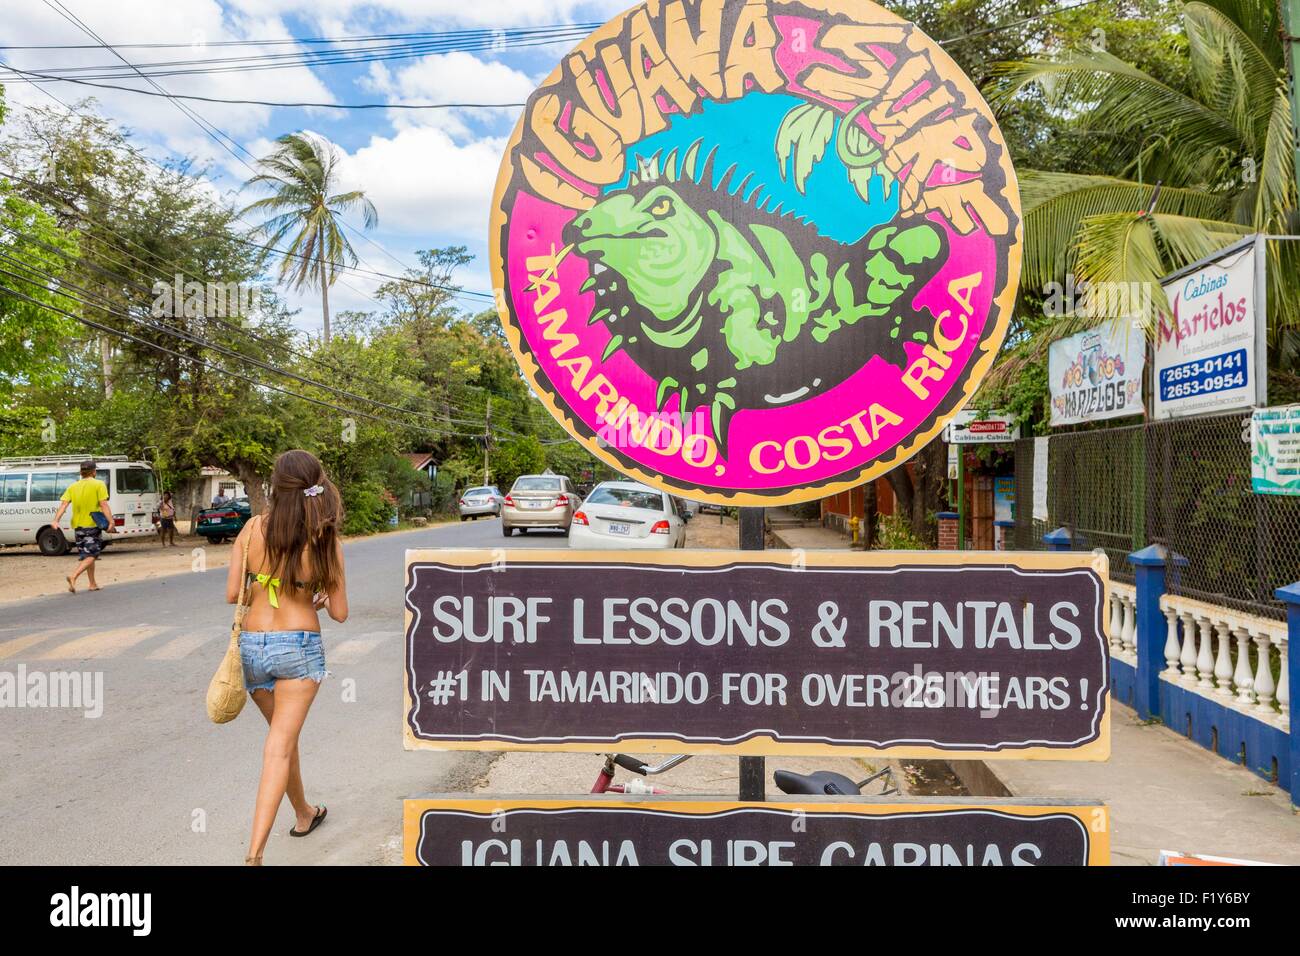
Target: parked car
(225, 521)
(480, 501)
(707, 507)
(628, 514)
(688, 508)
(538, 501)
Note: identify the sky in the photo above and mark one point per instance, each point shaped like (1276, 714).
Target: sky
(429, 173)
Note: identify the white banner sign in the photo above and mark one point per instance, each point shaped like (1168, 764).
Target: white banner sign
(971, 428)
(1041, 446)
(1275, 450)
(1206, 349)
(1097, 374)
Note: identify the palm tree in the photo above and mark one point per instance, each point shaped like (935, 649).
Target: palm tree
(1198, 167)
(301, 173)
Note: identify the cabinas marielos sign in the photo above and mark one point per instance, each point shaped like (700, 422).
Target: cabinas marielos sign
(756, 252)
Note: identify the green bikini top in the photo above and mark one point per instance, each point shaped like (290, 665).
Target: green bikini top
(272, 586)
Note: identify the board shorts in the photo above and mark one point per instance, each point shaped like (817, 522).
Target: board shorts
(90, 542)
(167, 524)
(269, 656)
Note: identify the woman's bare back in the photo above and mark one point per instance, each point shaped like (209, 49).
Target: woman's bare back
(297, 610)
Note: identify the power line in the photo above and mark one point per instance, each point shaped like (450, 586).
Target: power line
(104, 305)
(272, 103)
(128, 148)
(217, 135)
(1017, 23)
(329, 366)
(282, 41)
(109, 330)
(450, 290)
(513, 39)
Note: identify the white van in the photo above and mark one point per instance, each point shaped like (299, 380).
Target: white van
(30, 489)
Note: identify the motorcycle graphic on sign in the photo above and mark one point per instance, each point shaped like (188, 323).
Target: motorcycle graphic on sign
(755, 252)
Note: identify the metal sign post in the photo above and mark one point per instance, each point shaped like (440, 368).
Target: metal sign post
(753, 770)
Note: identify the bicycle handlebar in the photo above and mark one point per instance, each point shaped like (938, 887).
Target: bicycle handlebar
(632, 765)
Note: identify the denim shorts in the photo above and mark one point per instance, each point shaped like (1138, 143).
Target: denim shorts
(269, 656)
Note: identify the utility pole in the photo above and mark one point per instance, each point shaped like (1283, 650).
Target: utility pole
(487, 439)
(1291, 40)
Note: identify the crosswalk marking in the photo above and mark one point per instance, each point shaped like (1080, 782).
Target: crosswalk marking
(19, 644)
(102, 643)
(178, 646)
(352, 650)
(186, 644)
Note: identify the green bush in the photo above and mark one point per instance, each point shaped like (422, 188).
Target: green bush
(894, 533)
(364, 508)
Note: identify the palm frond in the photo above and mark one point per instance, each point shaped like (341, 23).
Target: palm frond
(1257, 21)
(1104, 92)
(1276, 194)
(1061, 202)
(1233, 72)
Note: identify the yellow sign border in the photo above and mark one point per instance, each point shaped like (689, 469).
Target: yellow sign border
(860, 11)
(1095, 750)
(1095, 816)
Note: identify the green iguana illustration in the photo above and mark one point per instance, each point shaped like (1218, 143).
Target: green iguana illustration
(731, 305)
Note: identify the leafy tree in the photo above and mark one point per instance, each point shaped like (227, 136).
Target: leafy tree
(33, 253)
(1190, 166)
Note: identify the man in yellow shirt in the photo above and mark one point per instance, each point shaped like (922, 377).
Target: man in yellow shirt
(89, 500)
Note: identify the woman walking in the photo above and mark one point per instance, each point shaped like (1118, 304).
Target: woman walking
(295, 569)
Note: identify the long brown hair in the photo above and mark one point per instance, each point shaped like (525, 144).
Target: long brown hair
(298, 522)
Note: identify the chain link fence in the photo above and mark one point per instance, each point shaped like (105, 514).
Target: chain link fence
(1184, 484)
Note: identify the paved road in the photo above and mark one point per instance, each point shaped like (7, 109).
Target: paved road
(153, 781)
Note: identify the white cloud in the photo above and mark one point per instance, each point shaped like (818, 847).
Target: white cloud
(456, 77)
(439, 14)
(423, 183)
(159, 21)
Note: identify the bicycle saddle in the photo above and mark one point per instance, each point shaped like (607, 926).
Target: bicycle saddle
(821, 782)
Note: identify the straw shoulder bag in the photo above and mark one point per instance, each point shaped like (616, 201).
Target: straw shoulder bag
(226, 692)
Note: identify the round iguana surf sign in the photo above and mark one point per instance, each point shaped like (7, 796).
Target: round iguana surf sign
(756, 252)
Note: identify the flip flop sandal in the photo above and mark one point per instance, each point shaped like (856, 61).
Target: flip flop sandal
(315, 822)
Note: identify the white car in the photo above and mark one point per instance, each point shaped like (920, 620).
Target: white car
(627, 514)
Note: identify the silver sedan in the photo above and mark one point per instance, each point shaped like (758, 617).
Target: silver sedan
(480, 502)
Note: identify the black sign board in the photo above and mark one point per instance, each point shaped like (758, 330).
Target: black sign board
(691, 831)
(911, 653)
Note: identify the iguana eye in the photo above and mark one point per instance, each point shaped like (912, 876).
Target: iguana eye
(662, 208)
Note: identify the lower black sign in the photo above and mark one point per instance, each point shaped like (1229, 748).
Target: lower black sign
(689, 831)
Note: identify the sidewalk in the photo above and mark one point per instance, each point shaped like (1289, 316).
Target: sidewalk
(787, 533)
(1167, 793)
(1164, 791)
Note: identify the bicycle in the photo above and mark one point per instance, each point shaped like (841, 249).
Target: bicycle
(820, 782)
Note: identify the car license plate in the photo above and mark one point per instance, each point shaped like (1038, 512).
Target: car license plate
(619, 529)
(537, 504)
(214, 521)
